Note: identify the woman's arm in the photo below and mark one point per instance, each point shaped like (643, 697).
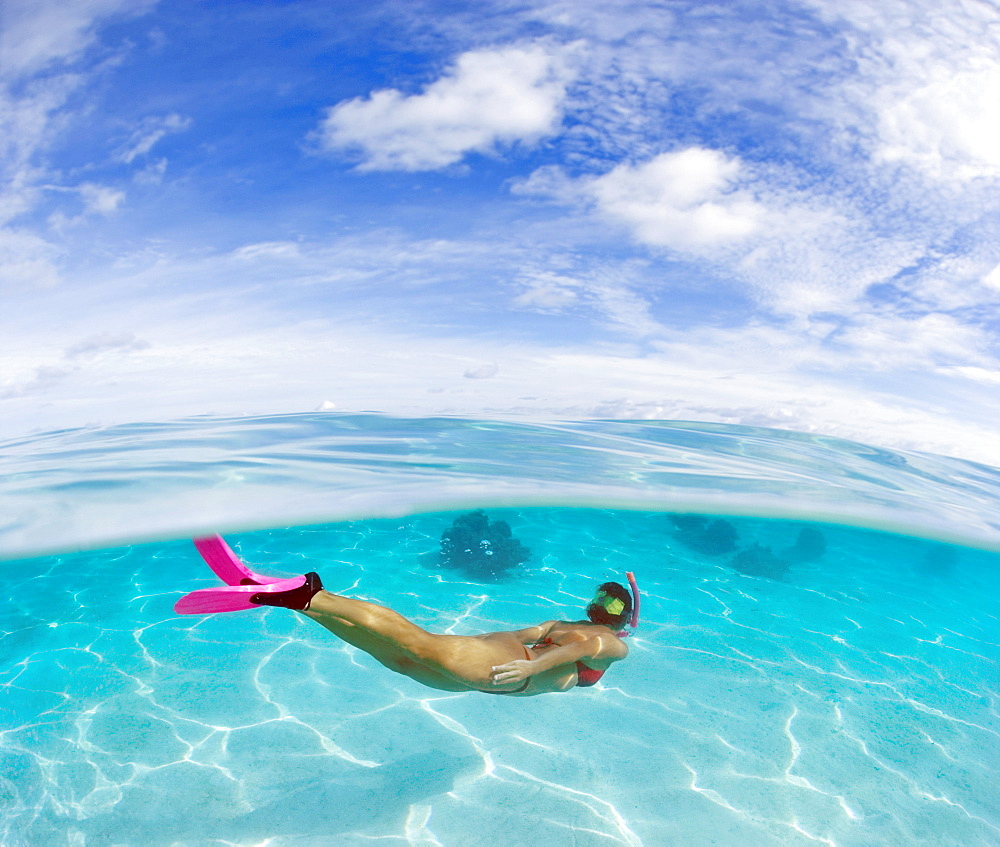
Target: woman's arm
(534, 634)
(594, 647)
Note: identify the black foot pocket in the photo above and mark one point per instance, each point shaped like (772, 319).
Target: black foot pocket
(295, 598)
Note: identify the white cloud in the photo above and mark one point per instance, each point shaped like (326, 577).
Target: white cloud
(798, 253)
(609, 292)
(26, 124)
(83, 363)
(882, 379)
(45, 377)
(482, 372)
(895, 341)
(874, 148)
(38, 39)
(38, 33)
(149, 133)
(546, 291)
(746, 375)
(983, 375)
(277, 250)
(689, 201)
(489, 98)
(121, 342)
(813, 259)
(992, 279)
(947, 127)
(26, 261)
(100, 199)
(925, 91)
(686, 200)
(152, 174)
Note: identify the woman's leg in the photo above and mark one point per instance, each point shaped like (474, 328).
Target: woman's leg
(447, 662)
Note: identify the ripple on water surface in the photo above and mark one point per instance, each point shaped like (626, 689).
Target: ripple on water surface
(108, 486)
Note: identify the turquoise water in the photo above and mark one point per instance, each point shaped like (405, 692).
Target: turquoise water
(853, 701)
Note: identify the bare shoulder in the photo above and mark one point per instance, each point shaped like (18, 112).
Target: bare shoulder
(606, 645)
(603, 648)
(615, 646)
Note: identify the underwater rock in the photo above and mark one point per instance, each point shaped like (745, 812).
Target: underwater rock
(808, 547)
(710, 538)
(483, 549)
(759, 561)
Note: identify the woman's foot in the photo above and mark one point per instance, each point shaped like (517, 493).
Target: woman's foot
(295, 598)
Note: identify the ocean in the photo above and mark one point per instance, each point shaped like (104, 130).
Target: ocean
(816, 660)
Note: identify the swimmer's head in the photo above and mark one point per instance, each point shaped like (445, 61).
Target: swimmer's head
(611, 606)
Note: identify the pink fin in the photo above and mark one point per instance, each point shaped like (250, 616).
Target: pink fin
(221, 559)
(231, 598)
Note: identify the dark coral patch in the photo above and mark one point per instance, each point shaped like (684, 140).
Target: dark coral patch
(481, 548)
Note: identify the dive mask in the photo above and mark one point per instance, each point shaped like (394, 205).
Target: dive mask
(612, 605)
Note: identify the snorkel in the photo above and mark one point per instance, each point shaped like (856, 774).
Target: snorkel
(633, 622)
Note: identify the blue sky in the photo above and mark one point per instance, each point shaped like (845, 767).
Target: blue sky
(782, 214)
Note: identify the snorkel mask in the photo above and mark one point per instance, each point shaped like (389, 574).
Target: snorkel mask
(615, 606)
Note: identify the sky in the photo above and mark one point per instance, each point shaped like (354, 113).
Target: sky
(779, 213)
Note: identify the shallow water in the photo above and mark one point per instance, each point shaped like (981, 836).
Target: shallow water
(853, 701)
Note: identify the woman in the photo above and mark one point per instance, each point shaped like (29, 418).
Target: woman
(553, 656)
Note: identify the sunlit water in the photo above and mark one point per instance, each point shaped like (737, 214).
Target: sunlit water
(853, 701)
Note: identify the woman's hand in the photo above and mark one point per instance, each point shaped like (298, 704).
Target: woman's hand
(516, 671)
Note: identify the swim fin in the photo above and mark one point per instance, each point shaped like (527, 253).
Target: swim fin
(227, 567)
(236, 598)
(244, 589)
